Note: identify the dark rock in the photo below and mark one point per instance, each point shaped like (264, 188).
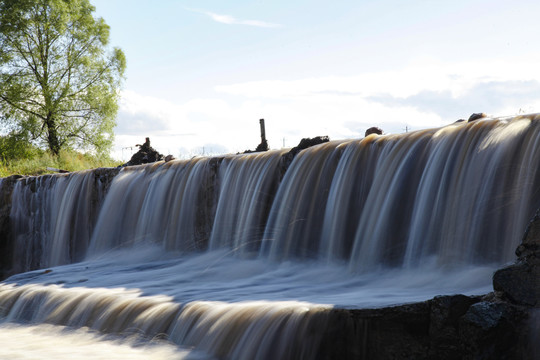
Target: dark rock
(6, 239)
(145, 155)
(398, 332)
(263, 146)
(492, 330)
(305, 143)
(373, 130)
(520, 282)
(169, 158)
(484, 315)
(529, 249)
(309, 142)
(476, 116)
(446, 327)
(445, 314)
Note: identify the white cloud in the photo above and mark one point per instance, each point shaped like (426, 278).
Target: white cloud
(419, 96)
(229, 20)
(220, 127)
(185, 128)
(420, 76)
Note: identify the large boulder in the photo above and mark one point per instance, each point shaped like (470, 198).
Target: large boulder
(520, 282)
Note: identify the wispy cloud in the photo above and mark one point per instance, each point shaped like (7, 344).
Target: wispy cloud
(230, 20)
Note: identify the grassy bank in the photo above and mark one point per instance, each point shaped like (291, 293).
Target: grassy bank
(67, 160)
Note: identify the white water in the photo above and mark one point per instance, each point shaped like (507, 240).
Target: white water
(220, 256)
(61, 343)
(212, 302)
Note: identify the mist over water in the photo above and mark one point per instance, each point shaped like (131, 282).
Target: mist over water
(230, 256)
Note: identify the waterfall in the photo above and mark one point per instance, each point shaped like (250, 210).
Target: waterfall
(227, 256)
(462, 194)
(53, 217)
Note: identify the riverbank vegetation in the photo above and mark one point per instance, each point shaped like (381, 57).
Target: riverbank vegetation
(18, 158)
(59, 87)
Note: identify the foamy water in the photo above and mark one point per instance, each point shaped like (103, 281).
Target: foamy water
(213, 302)
(239, 257)
(61, 343)
(220, 276)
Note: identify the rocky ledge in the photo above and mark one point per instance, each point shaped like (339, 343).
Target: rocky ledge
(504, 324)
(445, 327)
(520, 283)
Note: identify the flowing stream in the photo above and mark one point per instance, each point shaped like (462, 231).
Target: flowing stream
(233, 257)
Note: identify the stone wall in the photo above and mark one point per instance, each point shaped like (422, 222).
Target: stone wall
(6, 245)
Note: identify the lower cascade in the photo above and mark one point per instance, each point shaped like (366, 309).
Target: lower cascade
(250, 257)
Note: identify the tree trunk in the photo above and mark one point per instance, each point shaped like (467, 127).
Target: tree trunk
(52, 137)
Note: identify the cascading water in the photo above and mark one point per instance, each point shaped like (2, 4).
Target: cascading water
(222, 256)
(53, 218)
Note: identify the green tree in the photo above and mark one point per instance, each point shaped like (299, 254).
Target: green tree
(59, 84)
(16, 146)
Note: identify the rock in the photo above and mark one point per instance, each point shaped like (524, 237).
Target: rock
(145, 155)
(169, 158)
(520, 282)
(445, 314)
(374, 130)
(6, 239)
(309, 142)
(445, 327)
(484, 315)
(263, 146)
(529, 249)
(305, 143)
(476, 116)
(495, 330)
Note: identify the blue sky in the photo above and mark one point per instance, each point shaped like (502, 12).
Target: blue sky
(201, 73)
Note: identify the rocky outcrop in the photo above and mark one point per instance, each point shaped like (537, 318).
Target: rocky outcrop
(145, 155)
(305, 143)
(520, 282)
(445, 327)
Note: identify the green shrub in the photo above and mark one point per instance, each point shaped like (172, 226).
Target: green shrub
(67, 160)
(15, 146)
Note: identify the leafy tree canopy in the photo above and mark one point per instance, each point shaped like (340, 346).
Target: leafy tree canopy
(59, 85)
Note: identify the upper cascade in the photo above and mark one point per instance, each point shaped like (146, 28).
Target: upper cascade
(460, 194)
